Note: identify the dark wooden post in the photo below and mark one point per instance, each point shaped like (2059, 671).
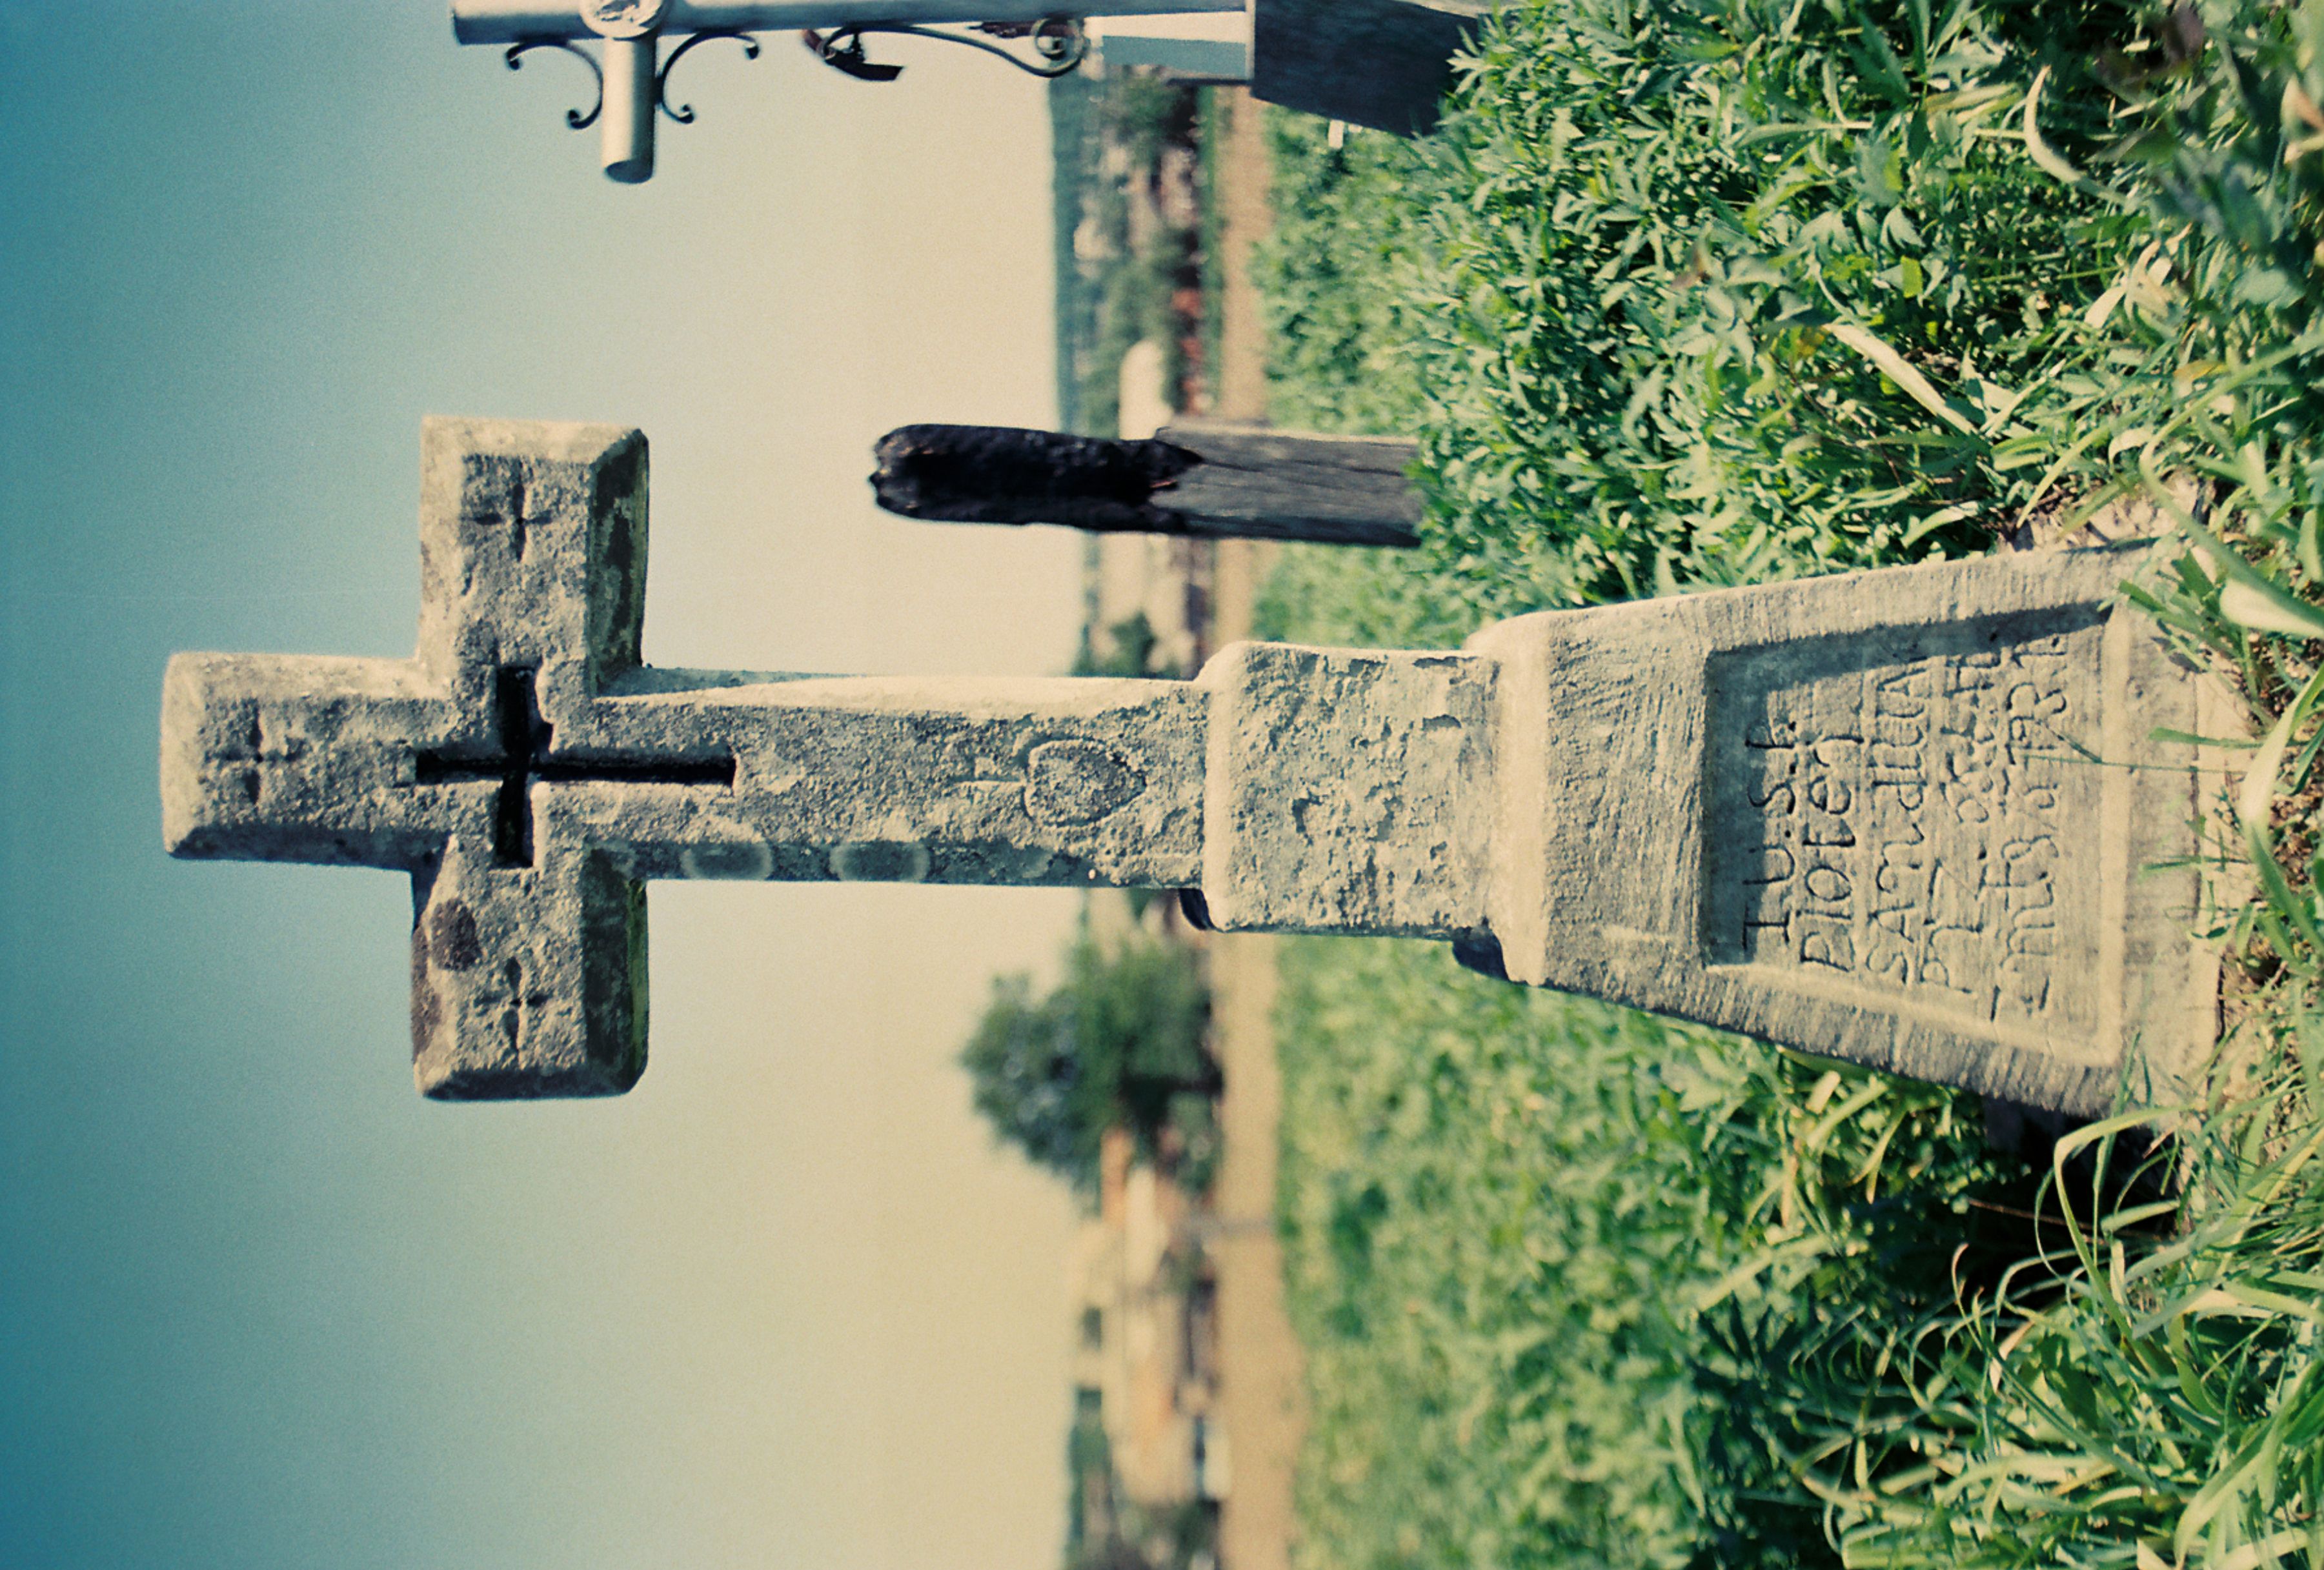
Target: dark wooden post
(1383, 63)
(1210, 481)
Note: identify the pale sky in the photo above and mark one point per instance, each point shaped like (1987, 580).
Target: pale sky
(260, 1305)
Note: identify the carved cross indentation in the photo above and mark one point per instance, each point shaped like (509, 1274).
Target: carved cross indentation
(255, 754)
(525, 754)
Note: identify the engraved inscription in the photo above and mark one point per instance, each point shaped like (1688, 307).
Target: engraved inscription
(1914, 811)
(1071, 782)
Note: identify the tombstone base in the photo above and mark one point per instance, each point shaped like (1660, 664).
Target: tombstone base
(1916, 820)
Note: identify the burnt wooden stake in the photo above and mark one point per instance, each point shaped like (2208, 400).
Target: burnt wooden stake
(1210, 481)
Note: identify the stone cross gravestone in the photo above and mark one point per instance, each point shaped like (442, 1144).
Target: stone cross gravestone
(1897, 816)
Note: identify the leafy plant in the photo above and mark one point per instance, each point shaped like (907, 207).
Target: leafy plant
(1517, 1226)
(1699, 295)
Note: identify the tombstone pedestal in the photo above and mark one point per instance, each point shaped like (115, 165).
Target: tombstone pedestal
(1914, 818)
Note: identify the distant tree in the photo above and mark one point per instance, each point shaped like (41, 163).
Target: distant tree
(1116, 1046)
(1134, 646)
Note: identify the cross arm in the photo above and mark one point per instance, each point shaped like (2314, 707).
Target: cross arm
(528, 964)
(1058, 781)
(1301, 790)
(307, 759)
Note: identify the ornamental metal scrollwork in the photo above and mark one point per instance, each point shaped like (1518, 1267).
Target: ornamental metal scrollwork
(1061, 43)
(683, 113)
(573, 117)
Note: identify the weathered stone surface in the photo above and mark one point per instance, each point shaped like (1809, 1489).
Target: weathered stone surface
(1345, 790)
(1901, 818)
(1905, 818)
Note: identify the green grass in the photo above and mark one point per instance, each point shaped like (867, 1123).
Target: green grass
(1692, 296)
(1518, 1226)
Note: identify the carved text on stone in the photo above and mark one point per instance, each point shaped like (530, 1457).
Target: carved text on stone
(1916, 815)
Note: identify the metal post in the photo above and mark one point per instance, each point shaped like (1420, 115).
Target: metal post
(627, 126)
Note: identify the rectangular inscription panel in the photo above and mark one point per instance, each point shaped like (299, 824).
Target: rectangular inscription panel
(1915, 813)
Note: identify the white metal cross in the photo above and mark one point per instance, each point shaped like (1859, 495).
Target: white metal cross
(633, 79)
